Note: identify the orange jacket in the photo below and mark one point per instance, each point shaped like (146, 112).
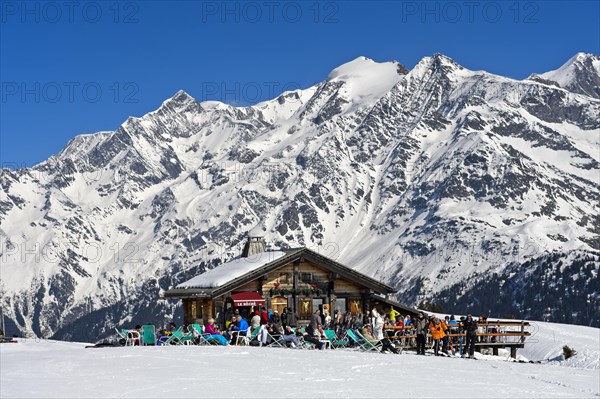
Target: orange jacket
(438, 331)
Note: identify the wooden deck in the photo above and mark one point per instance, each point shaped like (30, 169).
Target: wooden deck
(509, 334)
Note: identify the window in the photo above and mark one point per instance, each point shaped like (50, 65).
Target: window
(306, 277)
(278, 303)
(305, 307)
(355, 305)
(194, 309)
(317, 303)
(340, 305)
(284, 278)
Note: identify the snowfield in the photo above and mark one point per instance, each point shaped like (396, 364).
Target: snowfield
(42, 368)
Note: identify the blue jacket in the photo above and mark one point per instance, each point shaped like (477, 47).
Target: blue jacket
(243, 326)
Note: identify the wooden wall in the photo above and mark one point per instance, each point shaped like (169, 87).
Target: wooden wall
(287, 277)
(197, 309)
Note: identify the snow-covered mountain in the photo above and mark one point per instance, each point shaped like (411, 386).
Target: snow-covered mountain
(581, 74)
(432, 180)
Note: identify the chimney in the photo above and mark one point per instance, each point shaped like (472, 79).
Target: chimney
(254, 246)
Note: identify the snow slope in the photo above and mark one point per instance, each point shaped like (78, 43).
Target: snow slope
(42, 368)
(548, 339)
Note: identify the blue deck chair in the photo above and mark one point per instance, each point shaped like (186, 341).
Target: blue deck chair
(368, 345)
(248, 337)
(148, 334)
(335, 341)
(175, 337)
(201, 338)
(121, 333)
(359, 340)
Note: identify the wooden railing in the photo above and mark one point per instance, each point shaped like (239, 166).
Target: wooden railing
(512, 335)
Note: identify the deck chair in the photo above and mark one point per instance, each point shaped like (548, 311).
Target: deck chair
(174, 338)
(304, 344)
(278, 342)
(354, 339)
(121, 333)
(334, 340)
(200, 338)
(244, 338)
(248, 337)
(148, 334)
(368, 345)
(359, 340)
(184, 338)
(133, 336)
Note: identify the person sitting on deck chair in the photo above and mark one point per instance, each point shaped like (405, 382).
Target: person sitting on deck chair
(240, 328)
(312, 335)
(211, 333)
(290, 336)
(385, 342)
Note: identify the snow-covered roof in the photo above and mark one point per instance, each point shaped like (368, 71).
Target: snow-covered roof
(231, 270)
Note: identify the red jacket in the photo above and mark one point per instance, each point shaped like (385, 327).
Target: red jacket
(264, 318)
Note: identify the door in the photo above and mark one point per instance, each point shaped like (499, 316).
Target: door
(278, 303)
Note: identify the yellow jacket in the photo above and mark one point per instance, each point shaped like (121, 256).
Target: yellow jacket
(393, 314)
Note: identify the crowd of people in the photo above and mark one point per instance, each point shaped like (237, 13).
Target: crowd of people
(389, 331)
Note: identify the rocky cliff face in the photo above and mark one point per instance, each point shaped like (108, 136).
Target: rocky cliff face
(429, 179)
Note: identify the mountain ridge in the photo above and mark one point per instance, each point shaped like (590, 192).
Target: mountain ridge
(446, 175)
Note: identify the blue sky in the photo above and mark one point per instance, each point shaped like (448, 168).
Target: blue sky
(68, 68)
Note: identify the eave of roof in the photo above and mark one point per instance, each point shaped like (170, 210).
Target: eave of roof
(396, 304)
(188, 293)
(291, 256)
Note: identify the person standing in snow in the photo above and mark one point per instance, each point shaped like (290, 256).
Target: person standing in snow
(420, 325)
(276, 320)
(316, 319)
(284, 318)
(394, 314)
(338, 322)
(255, 320)
(264, 316)
(327, 323)
(470, 329)
(438, 332)
(292, 318)
(377, 324)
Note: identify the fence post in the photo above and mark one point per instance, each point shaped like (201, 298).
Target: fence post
(522, 331)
